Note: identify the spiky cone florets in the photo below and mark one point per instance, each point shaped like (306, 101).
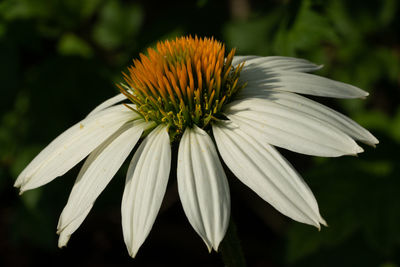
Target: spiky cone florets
(182, 82)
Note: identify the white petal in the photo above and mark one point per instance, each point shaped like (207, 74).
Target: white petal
(267, 173)
(239, 59)
(97, 172)
(145, 187)
(66, 233)
(301, 104)
(287, 128)
(203, 187)
(298, 82)
(72, 146)
(277, 63)
(108, 103)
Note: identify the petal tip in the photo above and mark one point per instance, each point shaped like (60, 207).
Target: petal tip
(359, 149)
(373, 144)
(21, 180)
(364, 95)
(210, 246)
(132, 254)
(323, 222)
(375, 141)
(17, 183)
(22, 189)
(370, 140)
(63, 240)
(360, 93)
(133, 250)
(216, 245)
(355, 151)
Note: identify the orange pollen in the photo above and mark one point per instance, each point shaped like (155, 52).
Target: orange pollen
(182, 82)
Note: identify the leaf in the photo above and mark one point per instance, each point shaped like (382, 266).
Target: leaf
(71, 44)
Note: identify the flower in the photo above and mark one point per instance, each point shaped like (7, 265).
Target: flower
(185, 91)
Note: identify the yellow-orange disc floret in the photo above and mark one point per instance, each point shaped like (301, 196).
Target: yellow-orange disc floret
(182, 82)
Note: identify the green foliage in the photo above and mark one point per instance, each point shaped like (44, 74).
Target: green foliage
(360, 203)
(118, 24)
(71, 44)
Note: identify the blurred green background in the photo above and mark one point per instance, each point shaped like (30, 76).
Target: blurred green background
(60, 58)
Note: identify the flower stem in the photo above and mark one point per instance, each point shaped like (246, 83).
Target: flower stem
(230, 249)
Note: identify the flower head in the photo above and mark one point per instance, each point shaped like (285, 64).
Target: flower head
(184, 91)
(183, 83)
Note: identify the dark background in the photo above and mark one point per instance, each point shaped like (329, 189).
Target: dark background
(59, 59)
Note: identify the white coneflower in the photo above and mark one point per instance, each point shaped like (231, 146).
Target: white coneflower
(185, 91)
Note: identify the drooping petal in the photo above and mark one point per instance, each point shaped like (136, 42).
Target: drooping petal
(298, 82)
(277, 63)
(97, 172)
(145, 187)
(72, 146)
(304, 105)
(108, 103)
(66, 232)
(287, 128)
(266, 172)
(203, 187)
